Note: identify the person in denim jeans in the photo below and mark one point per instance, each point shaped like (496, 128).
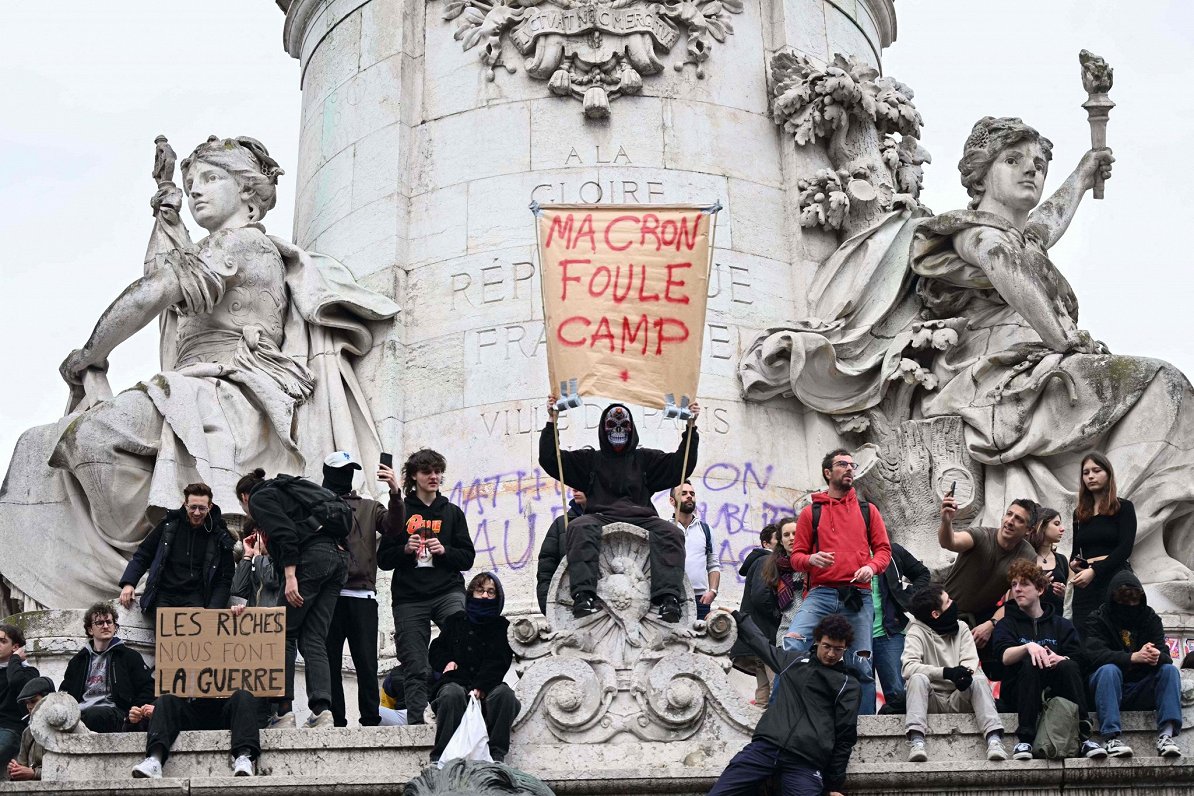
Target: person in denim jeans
(315, 568)
(1125, 647)
(841, 554)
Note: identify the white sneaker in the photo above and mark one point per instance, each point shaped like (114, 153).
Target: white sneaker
(242, 766)
(149, 768)
(317, 721)
(1167, 747)
(917, 751)
(995, 750)
(284, 722)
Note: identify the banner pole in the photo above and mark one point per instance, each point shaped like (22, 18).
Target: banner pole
(713, 210)
(536, 210)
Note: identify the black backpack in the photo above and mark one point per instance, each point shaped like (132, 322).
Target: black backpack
(327, 511)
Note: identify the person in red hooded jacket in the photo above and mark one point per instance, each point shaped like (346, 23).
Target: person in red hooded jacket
(841, 543)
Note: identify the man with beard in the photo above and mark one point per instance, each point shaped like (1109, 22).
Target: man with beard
(188, 556)
(842, 543)
(1126, 650)
(940, 663)
(979, 574)
(619, 480)
(700, 560)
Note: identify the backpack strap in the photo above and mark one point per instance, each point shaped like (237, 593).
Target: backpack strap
(708, 537)
(816, 522)
(863, 506)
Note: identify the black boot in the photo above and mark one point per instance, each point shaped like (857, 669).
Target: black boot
(669, 609)
(584, 604)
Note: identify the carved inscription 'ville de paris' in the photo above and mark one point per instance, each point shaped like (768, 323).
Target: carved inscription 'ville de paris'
(593, 50)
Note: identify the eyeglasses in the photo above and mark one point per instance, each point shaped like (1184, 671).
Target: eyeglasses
(483, 592)
(103, 622)
(198, 509)
(846, 465)
(833, 648)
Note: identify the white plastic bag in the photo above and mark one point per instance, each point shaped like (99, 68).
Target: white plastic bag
(471, 739)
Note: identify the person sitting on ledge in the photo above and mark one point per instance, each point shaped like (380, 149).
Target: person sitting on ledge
(808, 731)
(619, 481)
(107, 678)
(1126, 649)
(472, 656)
(1039, 650)
(14, 673)
(940, 663)
(26, 766)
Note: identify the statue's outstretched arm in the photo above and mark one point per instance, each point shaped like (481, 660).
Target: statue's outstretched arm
(1053, 216)
(1012, 275)
(139, 304)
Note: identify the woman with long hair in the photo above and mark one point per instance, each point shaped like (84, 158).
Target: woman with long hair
(1044, 539)
(1104, 533)
(778, 586)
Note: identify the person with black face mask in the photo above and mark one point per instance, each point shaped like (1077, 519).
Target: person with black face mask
(940, 663)
(1126, 649)
(619, 480)
(472, 656)
(355, 617)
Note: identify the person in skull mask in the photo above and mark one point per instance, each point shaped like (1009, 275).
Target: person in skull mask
(619, 480)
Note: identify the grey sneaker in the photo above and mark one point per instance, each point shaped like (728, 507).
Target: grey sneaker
(284, 722)
(242, 766)
(1022, 751)
(317, 721)
(1167, 747)
(1094, 751)
(995, 750)
(149, 768)
(918, 751)
(1117, 748)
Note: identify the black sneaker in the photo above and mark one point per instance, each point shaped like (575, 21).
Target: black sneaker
(1093, 750)
(584, 605)
(669, 609)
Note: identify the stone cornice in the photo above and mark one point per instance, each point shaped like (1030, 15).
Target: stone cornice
(883, 12)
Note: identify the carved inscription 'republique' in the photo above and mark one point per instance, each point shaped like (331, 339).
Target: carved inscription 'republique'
(592, 50)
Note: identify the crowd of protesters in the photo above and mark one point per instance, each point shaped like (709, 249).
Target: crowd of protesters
(830, 605)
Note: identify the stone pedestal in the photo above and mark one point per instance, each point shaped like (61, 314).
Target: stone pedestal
(418, 159)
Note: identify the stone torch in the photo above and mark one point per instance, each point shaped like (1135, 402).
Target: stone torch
(1097, 77)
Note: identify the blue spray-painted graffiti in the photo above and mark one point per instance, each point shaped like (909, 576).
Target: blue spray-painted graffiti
(510, 511)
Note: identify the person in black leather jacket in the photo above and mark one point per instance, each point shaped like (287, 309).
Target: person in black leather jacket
(893, 591)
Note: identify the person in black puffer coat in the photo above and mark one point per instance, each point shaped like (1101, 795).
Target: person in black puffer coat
(554, 547)
(764, 616)
(472, 656)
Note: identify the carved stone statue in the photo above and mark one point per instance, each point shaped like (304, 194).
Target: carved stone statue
(258, 341)
(963, 315)
(623, 675)
(469, 778)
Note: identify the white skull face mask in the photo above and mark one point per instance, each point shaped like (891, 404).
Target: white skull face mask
(618, 426)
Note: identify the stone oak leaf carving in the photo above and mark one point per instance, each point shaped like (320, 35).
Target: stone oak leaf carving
(593, 50)
(860, 114)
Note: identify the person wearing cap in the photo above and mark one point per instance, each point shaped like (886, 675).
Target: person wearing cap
(14, 674)
(355, 617)
(108, 679)
(27, 764)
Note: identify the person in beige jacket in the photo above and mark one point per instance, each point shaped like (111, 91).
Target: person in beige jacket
(940, 665)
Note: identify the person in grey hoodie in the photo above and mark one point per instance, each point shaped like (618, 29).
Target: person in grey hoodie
(107, 678)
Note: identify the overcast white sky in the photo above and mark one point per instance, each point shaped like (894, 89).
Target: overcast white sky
(85, 88)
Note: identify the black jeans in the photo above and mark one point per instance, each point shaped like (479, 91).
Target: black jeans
(412, 624)
(1063, 680)
(172, 715)
(104, 718)
(355, 620)
(665, 542)
(322, 570)
(499, 706)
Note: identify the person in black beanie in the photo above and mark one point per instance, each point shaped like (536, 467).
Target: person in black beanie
(428, 556)
(355, 617)
(471, 657)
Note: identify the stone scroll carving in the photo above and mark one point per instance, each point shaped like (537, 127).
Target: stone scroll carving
(623, 674)
(592, 50)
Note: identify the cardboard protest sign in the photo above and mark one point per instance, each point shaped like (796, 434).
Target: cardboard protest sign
(624, 295)
(211, 653)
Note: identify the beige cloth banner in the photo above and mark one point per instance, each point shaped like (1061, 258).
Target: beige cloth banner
(624, 295)
(211, 653)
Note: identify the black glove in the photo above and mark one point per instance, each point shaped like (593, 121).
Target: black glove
(960, 676)
(738, 617)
